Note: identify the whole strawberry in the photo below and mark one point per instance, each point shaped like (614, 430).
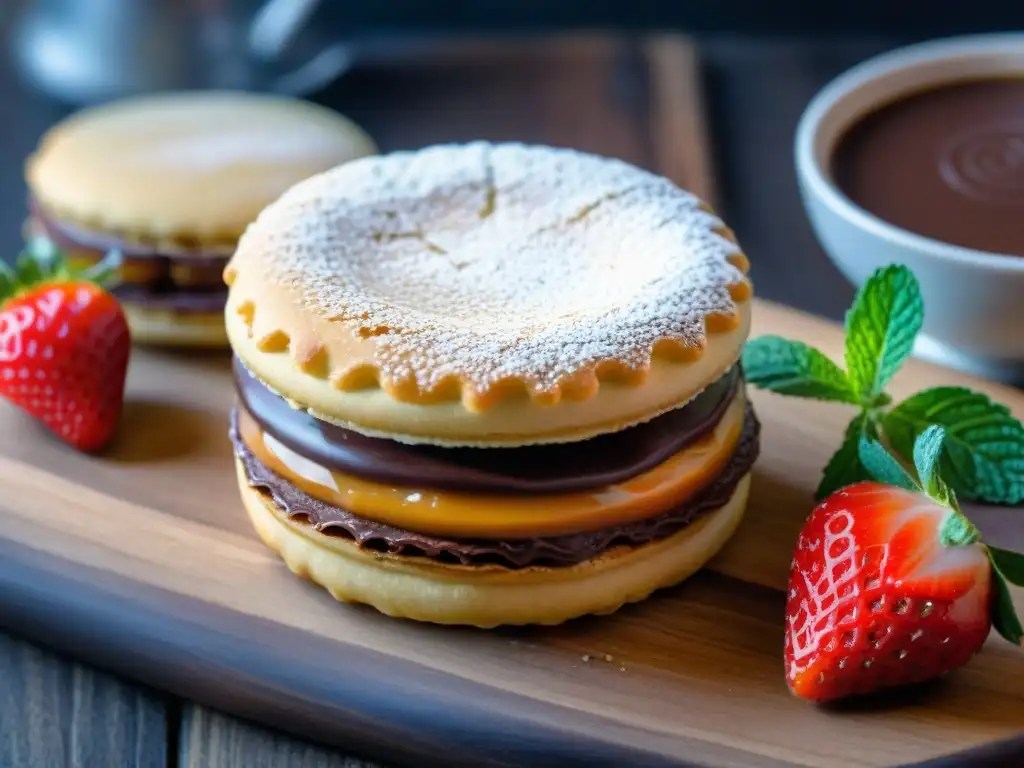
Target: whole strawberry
(64, 346)
(890, 582)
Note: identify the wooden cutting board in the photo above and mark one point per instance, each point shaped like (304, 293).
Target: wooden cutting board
(142, 560)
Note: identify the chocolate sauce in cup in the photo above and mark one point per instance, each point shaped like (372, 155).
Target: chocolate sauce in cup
(946, 162)
(916, 157)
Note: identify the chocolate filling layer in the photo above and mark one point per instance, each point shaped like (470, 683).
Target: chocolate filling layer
(181, 300)
(551, 551)
(186, 281)
(558, 468)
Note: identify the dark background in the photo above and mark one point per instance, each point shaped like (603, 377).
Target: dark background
(904, 18)
(762, 61)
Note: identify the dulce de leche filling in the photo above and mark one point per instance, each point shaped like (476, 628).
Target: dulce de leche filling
(186, 279)
(546, 551)
(513, 528)
(599, 462)
(506, 516)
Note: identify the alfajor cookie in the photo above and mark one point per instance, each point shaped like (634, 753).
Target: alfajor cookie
(171, 181)
(491, 383)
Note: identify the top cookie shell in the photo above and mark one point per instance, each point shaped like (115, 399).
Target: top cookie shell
(195, 166)
(525, 293)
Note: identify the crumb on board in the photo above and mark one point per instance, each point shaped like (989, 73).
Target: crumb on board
(586, 657)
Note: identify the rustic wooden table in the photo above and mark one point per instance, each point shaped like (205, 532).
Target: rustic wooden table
(55, 712)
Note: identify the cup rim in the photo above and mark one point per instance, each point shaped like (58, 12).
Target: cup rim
(860, 75)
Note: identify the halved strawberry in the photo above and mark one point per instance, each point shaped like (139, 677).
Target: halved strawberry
(64, 346)
(890, 583)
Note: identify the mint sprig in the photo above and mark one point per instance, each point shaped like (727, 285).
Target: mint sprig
(957, 530)
(982, 454)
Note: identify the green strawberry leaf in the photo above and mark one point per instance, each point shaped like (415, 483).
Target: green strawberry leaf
(844, 468)
(8, 281)
(1004, 615)
(104, 272)
(881, 326)
(46, 255)
(793, 368)
(927, 451)
(28, 268)
(883, 466)
(1010, 564)
(983, 456)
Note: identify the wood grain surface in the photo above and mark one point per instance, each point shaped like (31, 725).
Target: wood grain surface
(55, 713)
(142, 561)
(173, 587)
(213, 740)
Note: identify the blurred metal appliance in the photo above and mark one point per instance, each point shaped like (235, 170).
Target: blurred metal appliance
(83, 51)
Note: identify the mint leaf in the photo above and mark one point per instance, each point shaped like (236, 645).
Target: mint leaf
(983, 456)
(844, 468)
(1004, 615)
(793, 368)
(881, 326)
(1010, 564)
(883, 466)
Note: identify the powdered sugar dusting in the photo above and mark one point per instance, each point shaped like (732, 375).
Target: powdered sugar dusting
(487, 262)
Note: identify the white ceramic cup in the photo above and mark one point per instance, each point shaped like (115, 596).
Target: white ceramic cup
(974, 301)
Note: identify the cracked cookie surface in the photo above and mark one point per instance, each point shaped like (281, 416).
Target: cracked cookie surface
(476, 267)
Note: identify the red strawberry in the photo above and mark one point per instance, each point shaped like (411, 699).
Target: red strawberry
(891, 584)
(64, 348)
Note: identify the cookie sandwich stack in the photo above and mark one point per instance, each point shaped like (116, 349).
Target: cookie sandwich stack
(170, 182)
(491, 384)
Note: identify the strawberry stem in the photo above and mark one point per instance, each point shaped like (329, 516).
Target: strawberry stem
(958, 531)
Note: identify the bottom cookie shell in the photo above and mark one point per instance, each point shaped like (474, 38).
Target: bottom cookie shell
(488, 596)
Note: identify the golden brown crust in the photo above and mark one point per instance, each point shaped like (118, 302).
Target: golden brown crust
(513, 421)
(430, 591)
(584, 275)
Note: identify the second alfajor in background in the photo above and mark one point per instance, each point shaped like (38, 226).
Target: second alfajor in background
(491, 384)
(171, 181)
